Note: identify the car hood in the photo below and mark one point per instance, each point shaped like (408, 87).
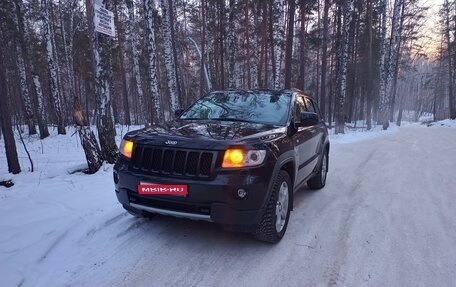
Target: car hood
(213, 133)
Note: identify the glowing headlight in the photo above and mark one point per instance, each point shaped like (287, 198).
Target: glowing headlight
(242, 158)
(126, 148)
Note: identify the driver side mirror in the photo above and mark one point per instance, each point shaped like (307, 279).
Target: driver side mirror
(178, 112)
(309, 119)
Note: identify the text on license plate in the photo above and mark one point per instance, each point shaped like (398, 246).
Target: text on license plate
(171, 189)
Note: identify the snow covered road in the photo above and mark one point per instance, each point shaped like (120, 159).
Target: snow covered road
(387, 217)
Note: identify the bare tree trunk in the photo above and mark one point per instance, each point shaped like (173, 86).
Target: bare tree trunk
(41, 117)
(231, 46)
(279, 35)
(203, 88)
(103, 96)
(324, 58)
(302, 48)
(22, 62)
(136, 69)
(177, 52)
(289, 44)
(397, 59)
(343, 57)
(270, 79)
(256, 45)
(6, 125)
(369, 66)
(52, 67)
(88, 140)
(170, 61)
(451, 64)
(221, 41)
(247, 49)
(123, 73)
(153, 79)
(385, 66)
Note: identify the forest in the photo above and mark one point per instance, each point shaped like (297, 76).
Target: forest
(363, 61)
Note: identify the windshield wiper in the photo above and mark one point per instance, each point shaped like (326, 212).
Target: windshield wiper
(192, 119)
(232, 120)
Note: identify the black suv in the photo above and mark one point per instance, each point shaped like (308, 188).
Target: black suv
(233, 157)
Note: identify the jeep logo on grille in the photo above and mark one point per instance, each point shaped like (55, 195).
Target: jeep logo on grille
(168, 142)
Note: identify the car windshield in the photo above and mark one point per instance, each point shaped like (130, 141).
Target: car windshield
(249, 106)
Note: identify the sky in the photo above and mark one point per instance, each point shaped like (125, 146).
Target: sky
(431, 42)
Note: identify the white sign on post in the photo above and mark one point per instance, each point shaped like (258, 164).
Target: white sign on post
(104, 21)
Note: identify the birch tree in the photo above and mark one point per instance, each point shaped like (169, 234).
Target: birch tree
(393, 58)
(22, 63)
(88, 140)
(105, 124)
(369, 64)
(289, 46)
(177, 51)
(344, 10)
(232, 46)
(41, 115)
(170, 62)
(324, 57)
(52, 66)
(383, 92)
(132, 32)
(255, 45)
(451, 58)
(156, 116)
(121, 54)
(279, 36)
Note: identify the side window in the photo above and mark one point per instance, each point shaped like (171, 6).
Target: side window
(299, 108)
(317, 109)
(309, 106)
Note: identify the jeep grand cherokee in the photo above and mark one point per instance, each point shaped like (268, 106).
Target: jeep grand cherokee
(233, 157)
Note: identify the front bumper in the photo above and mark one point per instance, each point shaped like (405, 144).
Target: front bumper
(214, 200)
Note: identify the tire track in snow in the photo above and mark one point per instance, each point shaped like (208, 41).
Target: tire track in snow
(53, 246)
(333, 273)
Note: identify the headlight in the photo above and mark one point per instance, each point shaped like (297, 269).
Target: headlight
(241, 158)
(126, 148)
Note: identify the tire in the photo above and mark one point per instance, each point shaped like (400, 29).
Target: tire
(271, 228)
(318, 181)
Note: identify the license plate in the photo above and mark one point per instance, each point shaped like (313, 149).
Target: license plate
(162, 189)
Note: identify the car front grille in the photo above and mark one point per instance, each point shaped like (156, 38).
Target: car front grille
(173, 161)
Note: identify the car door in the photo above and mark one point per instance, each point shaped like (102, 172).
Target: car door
(316, 132)
(305, 141)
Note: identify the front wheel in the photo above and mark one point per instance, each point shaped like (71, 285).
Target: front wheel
(274, 222)
(318, 181)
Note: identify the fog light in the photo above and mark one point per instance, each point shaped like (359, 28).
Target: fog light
(242, 193)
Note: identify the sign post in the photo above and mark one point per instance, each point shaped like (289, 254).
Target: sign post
(104, 21)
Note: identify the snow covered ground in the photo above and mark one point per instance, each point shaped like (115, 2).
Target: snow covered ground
(385, 218)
